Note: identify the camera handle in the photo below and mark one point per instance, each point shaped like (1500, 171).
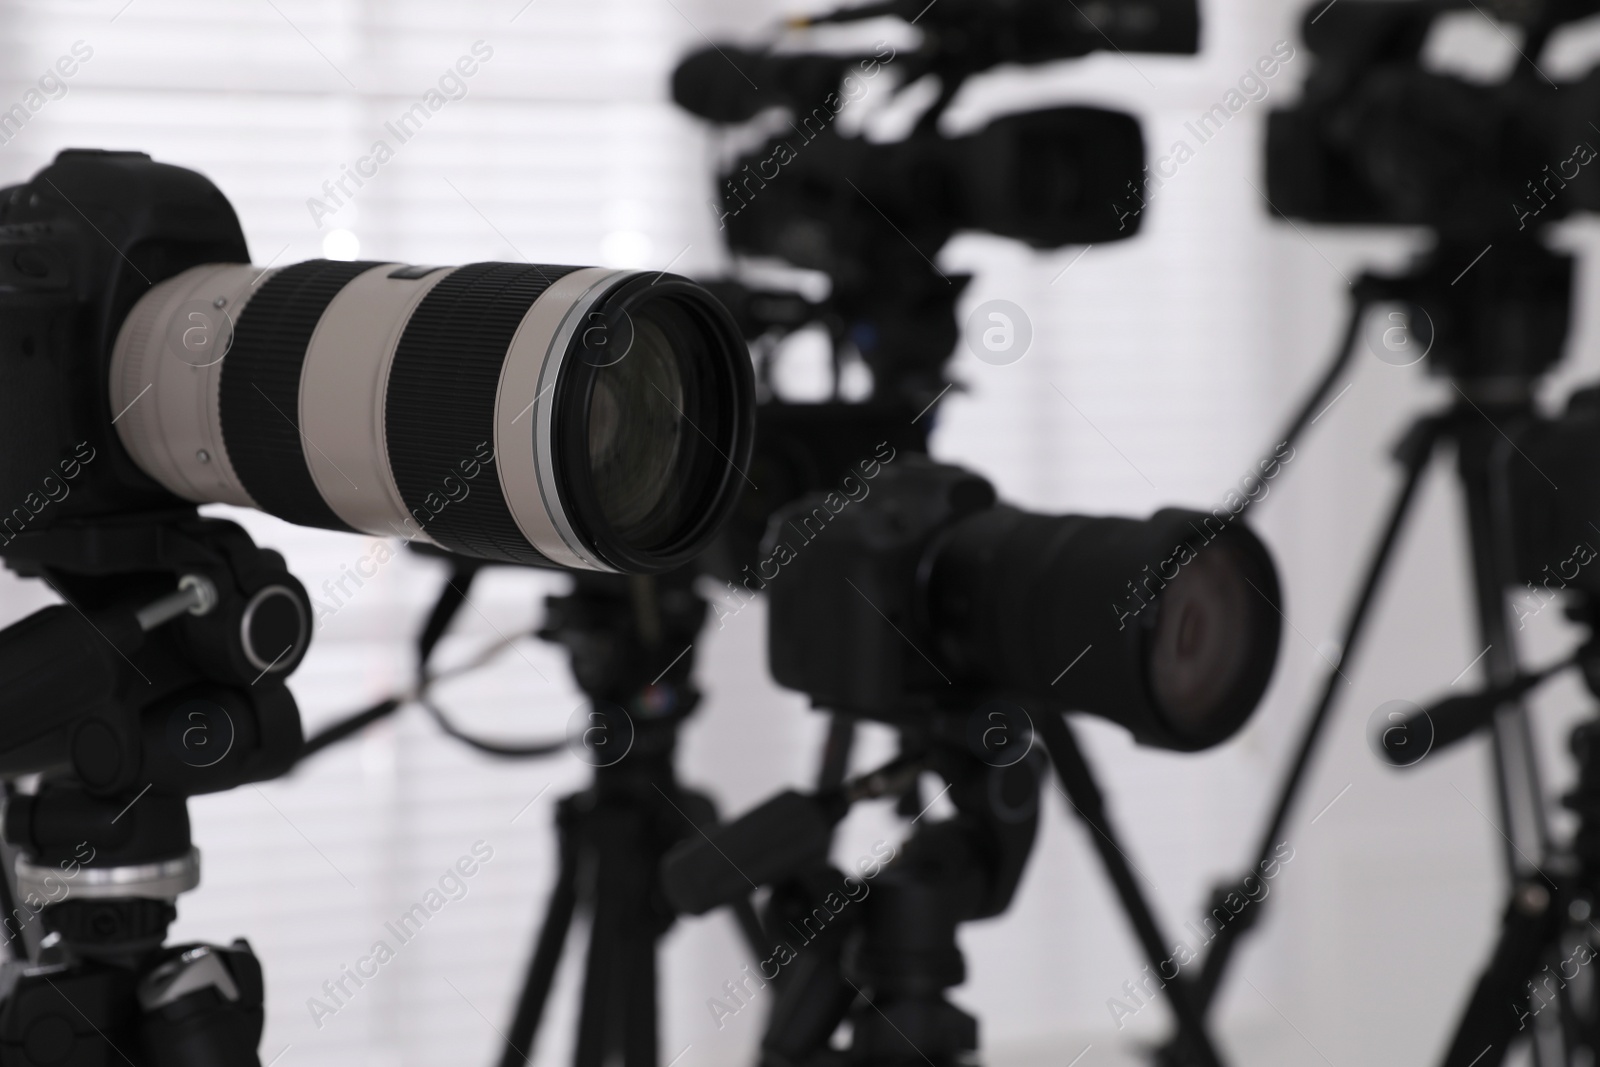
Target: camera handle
(127, 700)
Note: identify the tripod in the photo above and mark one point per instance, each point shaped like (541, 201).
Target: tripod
(630, 641)
(130, 698)
(876, 946)
(1547, 943)
(884, 966)
(1493, 330)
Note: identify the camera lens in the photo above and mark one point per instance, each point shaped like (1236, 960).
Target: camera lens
(649, 464)
(556, 416)
(632, 460)
(1167, 625)
(1203, 638)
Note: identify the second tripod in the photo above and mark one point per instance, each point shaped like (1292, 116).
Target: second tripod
(631, 642)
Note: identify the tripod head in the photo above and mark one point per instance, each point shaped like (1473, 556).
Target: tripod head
(160, 678)
(629, 638)
(875, 943)
(1495, 322)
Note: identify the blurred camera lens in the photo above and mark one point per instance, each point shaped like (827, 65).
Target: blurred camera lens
(1167, 625)
(555, 416)
(1207, 636)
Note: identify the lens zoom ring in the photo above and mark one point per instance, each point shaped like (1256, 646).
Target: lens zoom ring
(439, 415)
(259, 394)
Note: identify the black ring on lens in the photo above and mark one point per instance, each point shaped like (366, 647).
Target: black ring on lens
(718, 406)
(440, 405)
(258, 397)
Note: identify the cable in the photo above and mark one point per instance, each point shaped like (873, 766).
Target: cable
(351, 724)
(493, 748)
(1311, 407)
(451, 599)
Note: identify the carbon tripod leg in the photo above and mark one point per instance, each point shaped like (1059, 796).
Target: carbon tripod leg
(618, 1015)
(1083, 793)
(594, 1016)
(547, 956)
(640, 1036)
(1500, 1009)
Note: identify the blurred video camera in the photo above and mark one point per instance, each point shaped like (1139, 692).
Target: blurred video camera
(1379, 139)
(873, 216)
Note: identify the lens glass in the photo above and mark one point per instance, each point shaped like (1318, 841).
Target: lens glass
(648, 462)
(1207, 632)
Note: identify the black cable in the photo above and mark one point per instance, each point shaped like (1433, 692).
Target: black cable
(1312, 406)
(494, 748)
(345, 727)
(452, 597)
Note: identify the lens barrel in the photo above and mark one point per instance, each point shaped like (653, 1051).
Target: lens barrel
(1168, 625)
(575, 417)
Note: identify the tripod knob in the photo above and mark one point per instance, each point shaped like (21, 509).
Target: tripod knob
(203, 1007)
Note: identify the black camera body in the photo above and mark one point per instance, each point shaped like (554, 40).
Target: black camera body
(79, 245)
(803, 449)
(1554, 483)
(872, 217)
(823, 201)
(907, 591)
(847, 619)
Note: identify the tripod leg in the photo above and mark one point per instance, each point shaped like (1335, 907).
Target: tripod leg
(594, 1015)
(618, 1016)
(547, 956)
(1501, 1009)
(1527, 836)
(639, 1024)
(1414, 452)
(1077, 780)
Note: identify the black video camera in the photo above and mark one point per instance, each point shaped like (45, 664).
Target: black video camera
(1377, 139)
(872, 217)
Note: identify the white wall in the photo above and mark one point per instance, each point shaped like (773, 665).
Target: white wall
(1181, 353)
